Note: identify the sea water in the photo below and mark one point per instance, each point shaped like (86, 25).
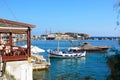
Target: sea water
(91, 67)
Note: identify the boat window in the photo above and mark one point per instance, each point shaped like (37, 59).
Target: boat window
(70, 51)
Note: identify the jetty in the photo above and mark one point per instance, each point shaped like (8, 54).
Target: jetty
(39, 62)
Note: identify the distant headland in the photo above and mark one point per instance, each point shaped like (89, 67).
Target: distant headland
(62, 36)
(72, 36)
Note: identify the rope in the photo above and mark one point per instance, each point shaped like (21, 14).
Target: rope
(6, 4)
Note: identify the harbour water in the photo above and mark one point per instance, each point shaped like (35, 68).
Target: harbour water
(91, 67)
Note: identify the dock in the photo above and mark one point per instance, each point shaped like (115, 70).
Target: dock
(39, 62)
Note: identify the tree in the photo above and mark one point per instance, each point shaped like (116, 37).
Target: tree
(117, 8)
(114, 65)
(113, 61)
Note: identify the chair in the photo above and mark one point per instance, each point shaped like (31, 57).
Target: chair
(1, 49)
(16, 51)
(7, 50)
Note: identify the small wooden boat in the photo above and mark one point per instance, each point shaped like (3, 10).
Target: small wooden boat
(90, 48)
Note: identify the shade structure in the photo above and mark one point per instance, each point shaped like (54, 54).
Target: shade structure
(14, 27)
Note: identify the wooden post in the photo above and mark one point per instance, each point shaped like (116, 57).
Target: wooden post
(0, 38)
(29, 44)
(3, 68)
(10, 39)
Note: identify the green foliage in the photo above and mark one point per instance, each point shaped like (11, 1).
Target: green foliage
(113, 62)
(117, 9)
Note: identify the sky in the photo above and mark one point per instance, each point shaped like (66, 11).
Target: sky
(93, 17)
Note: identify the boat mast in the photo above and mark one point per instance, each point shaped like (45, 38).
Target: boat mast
(71, 43)
(58, 48)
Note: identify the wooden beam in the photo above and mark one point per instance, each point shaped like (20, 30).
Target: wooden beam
(29, 44)
(10, 39)
(0, 38)
(14, 31)
(14, 58)
(6, 22)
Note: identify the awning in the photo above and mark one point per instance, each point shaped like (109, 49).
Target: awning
(7, 26)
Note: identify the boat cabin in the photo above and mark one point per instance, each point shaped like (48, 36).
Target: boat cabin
(8, 51)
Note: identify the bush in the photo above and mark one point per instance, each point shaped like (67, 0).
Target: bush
(113, 62)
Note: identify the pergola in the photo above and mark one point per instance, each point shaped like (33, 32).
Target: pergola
(10, 52)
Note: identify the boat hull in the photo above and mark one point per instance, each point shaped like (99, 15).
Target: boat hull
(67, 55)
(92, 49)
(95, 49)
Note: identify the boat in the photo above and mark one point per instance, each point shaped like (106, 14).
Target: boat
(50, 37)
(91, 48)
(69, 53)
(72, 53)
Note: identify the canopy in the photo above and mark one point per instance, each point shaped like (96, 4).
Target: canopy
(14, 27)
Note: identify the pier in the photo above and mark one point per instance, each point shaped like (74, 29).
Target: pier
(39, 62)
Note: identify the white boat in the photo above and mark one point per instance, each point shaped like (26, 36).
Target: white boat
(72, 53)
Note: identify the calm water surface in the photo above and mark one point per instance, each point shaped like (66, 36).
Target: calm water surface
(91, 67)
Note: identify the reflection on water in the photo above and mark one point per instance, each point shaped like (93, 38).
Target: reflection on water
(72, 60)
(41, 75)
(75, 76)
(60, 66)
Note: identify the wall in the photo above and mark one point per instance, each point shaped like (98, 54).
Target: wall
(21, 70)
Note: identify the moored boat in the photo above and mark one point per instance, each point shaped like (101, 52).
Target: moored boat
(72, 53)
(90, 48)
